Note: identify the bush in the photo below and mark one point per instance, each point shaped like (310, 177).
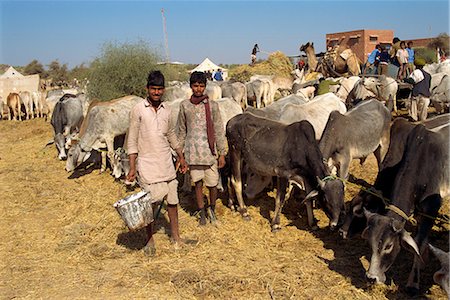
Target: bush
(121, 70)
(426, 53)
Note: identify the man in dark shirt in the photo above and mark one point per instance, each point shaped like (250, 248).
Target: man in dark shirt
(420, 96)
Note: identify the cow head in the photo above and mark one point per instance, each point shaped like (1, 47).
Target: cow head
(76, 156)
(60, 140)
(384, 235)
(332, 200)
(255, 184)
(441, 277)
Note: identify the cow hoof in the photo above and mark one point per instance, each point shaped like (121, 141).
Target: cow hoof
(343, 234)
(246, 217)
(314, 227)
(276, 228)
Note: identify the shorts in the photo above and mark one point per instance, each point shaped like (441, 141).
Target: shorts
(162, 189)
(209, 174)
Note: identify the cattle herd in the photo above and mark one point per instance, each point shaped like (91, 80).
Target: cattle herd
(277, 131)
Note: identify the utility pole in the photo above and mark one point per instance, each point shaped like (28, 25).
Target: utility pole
(166, 40)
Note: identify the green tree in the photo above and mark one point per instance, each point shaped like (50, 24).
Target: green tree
(58, 73)
(122, 69)
(79, 72)
(34, 67)
(442, 41)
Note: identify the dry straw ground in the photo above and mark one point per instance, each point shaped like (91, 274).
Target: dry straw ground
(62, 239)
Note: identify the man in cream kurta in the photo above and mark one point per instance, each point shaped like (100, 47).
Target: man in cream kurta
(150, 139)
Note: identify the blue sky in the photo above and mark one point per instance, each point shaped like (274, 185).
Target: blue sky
(225, 31)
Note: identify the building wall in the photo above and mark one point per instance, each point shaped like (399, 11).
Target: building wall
(18, 84)
(420, 43)
(362, 42)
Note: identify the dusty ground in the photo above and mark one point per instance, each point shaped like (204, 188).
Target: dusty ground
(61, 238)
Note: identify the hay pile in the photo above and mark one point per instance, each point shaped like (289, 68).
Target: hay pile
(276, 64)
(61, 238)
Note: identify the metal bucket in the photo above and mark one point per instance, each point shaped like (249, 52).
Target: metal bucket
(135, 210)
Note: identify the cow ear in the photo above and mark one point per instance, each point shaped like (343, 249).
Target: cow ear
(441, 255)
(406, 238)
(358, 210)
(439, 277)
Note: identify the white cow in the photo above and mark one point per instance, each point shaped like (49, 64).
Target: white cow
(315, 111)
(346, 85)
(235, 90)
(27, 101)
(258, 92)
(383, 88)
(213, 90)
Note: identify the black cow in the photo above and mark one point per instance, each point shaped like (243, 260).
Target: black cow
(356, 134)
(66, 118)
(422, 180)
(355, 220)
(291, 153)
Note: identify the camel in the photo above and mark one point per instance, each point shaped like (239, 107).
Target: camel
(335, 63)
(311, 55)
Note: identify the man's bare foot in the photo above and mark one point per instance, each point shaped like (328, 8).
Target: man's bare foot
(180, 243)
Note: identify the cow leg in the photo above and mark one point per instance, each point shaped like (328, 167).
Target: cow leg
(394, 99)
(236, 181)
(31, 110)
(309, 212)
(430, 206)
(312, 222)
(19, 113)
(279, 202)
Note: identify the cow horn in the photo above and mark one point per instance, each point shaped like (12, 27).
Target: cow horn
(410, 241)
(441, 255)
(49, 143)
(368, 214)
(321, 182)
(311, 194)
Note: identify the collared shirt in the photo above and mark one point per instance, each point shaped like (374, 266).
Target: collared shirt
(151, 135)
(410, 55)
(192, 133)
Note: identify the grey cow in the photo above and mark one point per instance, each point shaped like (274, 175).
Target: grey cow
(66, 119)
(104, 122)
(419, 186)
(289, 152)
(358, 133)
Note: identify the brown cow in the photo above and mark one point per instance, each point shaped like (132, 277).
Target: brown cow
(13, 103)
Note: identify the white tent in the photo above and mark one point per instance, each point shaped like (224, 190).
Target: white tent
(11, 72)
(208, 65)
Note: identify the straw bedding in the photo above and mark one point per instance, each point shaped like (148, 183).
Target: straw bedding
(61, 238)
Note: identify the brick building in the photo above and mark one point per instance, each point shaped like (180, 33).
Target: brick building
(362, 42)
